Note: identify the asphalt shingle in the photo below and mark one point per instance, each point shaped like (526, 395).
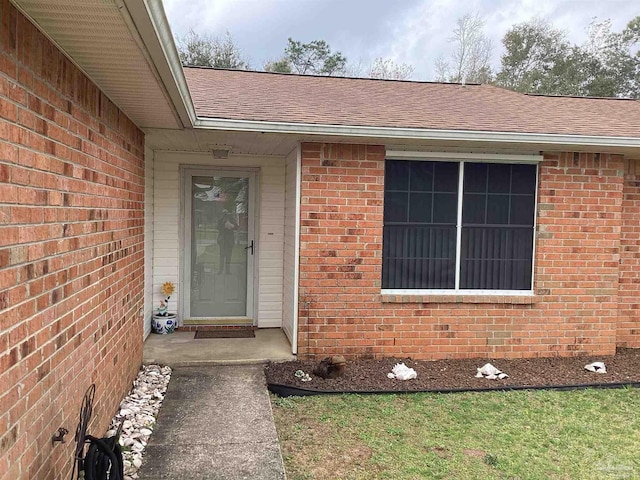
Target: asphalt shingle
(260, 96)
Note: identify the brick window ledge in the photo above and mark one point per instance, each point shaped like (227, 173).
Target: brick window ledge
(463, 298)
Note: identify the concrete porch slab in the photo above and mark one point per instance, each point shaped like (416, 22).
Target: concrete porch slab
(180, 349)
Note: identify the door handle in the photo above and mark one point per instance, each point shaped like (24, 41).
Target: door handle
(250, 247)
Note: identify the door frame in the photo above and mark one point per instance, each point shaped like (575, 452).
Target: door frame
(184, 255)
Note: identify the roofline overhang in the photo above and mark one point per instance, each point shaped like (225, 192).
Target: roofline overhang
(155, 40)
(393, 133)
(149, 19)
(153, 27)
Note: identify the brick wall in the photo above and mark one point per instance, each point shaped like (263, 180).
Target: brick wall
(574, 310)
(71, 251)
(629, 306)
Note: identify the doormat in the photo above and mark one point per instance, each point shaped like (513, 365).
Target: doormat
(230, 333)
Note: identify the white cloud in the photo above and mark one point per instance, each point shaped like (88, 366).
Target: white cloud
(408, 31)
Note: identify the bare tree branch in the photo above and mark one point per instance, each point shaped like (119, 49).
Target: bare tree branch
(471, 58)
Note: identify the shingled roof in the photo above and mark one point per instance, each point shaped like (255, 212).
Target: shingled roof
(269, 97)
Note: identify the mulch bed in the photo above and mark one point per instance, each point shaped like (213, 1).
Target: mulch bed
(442, 375)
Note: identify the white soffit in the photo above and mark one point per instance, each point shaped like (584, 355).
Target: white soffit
(97, 36)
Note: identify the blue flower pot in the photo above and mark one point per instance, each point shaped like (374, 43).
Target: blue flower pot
(164, 324)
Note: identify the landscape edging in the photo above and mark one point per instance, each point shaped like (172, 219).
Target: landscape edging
(291, 391)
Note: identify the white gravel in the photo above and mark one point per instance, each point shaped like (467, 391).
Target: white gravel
(138, 412)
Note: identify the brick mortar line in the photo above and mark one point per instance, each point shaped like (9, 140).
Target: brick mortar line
(131, 310)
(95, 157)
(57, 239)
(119, 155)
(62, 175)
(53, 306)
(76, 222)
(20, 65)
(29, 91)
(58, 286)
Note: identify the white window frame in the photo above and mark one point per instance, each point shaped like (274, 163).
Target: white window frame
(463, 158)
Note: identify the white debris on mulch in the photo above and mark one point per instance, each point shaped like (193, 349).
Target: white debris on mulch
(597, 367)
(138, 412)
(305, 377)
(490, 372)
(402, 372)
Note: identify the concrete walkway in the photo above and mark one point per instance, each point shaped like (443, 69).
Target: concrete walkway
(215, 423)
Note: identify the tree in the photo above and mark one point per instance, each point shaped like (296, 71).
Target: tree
(385, 68)
(537, 59)
(613, 68)
(207, 51)
(470, 60)
(631, 36)
(278, 66)
(540, 59)
(313, 58)
(357, 69)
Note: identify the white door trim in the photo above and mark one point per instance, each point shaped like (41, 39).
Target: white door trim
(184, 255)
(296, 274)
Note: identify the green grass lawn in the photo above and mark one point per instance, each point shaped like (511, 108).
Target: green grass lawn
(592, 434)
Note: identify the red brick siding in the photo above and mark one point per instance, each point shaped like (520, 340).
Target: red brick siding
(629, 306)
(71, 251)
(576, 271)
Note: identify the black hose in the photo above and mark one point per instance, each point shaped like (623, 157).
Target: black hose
(86, 411)
(103, 460)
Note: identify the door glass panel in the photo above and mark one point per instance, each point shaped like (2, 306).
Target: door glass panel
(219, 240)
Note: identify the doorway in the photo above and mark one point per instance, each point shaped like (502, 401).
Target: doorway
(219, 246)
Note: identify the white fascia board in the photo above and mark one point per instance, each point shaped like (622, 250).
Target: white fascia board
(414, 133)
(154, 30)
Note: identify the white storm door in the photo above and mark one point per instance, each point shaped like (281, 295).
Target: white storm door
(219, 244)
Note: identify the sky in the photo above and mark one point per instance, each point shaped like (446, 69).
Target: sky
(414, 32)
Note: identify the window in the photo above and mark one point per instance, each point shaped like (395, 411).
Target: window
(458, 225)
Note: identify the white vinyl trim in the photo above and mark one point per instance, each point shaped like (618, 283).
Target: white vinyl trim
(415, 133)
(149, 163)
(296, 287)
(410, 292)
(459, 224)
(153, 27)
(468, 157)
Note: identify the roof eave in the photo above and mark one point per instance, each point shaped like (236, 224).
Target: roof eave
(393, 133)
(154, 30)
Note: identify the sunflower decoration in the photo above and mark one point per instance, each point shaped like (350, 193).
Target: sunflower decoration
(167, 290)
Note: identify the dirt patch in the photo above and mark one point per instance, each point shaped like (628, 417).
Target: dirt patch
(315, 457)
(441, 452)
(371, 375)
(469, 452)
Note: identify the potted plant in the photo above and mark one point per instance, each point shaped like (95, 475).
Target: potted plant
(164, 322)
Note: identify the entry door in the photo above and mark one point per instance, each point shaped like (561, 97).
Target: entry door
(219, 246)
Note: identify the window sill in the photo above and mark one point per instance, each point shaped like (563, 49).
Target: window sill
(514, 299)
